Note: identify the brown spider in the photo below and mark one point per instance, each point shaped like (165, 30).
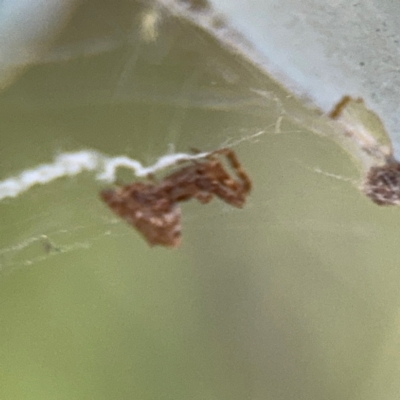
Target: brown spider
(152, 208)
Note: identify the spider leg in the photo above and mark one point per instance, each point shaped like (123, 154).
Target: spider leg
(231, 196)
(237, 167)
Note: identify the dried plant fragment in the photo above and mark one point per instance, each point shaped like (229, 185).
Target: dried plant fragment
(153, 209)
(366, 131)
(382, 184)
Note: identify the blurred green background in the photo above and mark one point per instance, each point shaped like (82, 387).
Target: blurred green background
(294, 297)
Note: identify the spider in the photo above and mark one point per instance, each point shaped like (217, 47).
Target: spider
(153, 209)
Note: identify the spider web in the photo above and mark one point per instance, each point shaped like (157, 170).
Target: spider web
(137, 103)
(299, 286)
(120, 54)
